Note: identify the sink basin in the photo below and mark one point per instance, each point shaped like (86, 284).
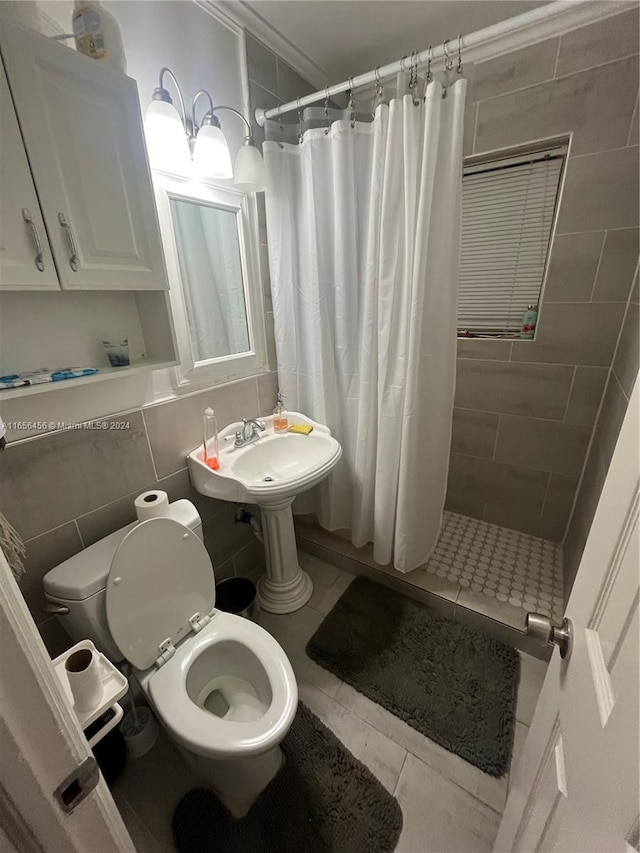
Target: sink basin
(270, 472)
(276, 467)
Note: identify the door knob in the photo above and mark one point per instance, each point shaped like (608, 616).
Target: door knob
(545, 632)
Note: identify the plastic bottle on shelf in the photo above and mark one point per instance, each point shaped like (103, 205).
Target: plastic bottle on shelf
(97, 34)
(280, 417)
(210, 429)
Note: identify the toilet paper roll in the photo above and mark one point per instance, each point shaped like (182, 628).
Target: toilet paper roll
(85, 679)
(154, 504)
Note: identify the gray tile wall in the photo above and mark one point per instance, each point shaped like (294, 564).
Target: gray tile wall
(65, 490)
(271, 83)
(620, 381)
(525, 411)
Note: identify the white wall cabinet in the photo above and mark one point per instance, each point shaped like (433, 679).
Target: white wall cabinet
(26, 261)
(81, 257)
(82, 130)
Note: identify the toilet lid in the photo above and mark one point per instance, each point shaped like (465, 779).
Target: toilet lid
(161, 575)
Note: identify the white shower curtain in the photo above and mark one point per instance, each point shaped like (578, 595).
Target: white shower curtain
(364, 227)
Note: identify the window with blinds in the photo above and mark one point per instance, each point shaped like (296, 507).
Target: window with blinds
(508, 209)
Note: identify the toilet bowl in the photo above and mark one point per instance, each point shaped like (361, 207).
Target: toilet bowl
(225, 698)
(221, 686)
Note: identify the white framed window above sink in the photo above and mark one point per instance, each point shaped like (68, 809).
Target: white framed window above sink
(210, 240)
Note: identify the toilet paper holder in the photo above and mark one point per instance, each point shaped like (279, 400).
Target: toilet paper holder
(114, 687)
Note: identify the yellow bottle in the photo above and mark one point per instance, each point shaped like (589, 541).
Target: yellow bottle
(280, 417)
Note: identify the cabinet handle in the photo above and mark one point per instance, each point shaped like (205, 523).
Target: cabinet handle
(36, 238)
(73, 256)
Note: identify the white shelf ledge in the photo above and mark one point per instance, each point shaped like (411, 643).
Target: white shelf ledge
(137, 367)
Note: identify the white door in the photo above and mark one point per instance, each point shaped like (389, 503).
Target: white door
(25, 256)
(83, 134)
(41, 744)
(576, 787)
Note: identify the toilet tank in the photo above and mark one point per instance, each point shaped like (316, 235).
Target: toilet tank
(79, 583)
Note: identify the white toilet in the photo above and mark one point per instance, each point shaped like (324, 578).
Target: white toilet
(222, 686)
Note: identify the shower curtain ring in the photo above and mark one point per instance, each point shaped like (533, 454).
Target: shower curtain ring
(299, 120)
(352, 104)
(412, 70)
(429, 57)
(448, 61)
(326, 110)
(377, 98)
(459, 66)
(413, 78)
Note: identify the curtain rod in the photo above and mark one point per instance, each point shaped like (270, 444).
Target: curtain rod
(536, 25)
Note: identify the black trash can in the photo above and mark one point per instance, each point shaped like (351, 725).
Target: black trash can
(239, 596)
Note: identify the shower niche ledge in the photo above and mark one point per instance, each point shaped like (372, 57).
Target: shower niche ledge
(270, 470)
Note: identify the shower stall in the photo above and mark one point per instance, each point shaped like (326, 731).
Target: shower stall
(532, 427)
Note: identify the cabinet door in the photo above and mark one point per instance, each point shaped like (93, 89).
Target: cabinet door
(83, 134)
(25, 255)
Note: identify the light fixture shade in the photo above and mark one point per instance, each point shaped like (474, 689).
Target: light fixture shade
(250, 171)
(166, 139)
(211, 158)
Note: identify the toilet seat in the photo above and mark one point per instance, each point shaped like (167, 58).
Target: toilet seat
(161, 586)
(201, 731)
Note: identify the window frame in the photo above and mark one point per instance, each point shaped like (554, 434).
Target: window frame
(254, 361)
(528, 149)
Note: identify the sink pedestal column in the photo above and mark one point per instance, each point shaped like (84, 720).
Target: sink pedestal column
(285, 587)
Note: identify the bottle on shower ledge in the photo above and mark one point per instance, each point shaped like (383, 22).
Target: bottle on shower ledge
(529, 320)
(280, 417)
(210, 429)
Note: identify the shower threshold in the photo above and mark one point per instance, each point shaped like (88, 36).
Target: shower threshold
(479, 573)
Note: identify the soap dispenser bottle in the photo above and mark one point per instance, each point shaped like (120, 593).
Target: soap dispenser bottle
(211, 450)
(280, 417)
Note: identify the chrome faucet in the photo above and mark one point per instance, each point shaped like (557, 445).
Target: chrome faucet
(251, 429)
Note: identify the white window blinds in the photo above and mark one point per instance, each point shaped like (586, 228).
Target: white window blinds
(508, 208)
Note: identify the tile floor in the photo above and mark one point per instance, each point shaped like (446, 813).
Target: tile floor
(512, 567)
(499, 573)
(448, 806)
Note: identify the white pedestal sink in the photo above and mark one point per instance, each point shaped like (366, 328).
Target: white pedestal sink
(270, 472)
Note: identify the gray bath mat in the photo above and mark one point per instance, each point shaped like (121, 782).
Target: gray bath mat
(451, 683)
(322, 801)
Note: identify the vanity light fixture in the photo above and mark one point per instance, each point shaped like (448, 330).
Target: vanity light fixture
(177, 144)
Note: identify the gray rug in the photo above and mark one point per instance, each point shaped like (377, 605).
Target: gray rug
(322, 801)
(451, 683)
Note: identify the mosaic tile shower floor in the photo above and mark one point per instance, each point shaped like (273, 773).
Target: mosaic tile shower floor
(504, 565)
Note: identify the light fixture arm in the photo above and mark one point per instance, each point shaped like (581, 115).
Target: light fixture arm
(207, 116)
(231, 110)
(162, 94)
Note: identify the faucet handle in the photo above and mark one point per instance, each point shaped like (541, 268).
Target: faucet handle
(236, 438)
